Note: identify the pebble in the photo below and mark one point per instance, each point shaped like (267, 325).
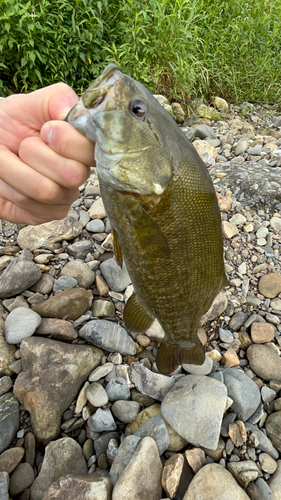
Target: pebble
(117, 389)
(203, 369)
(125, 411)
(4, 486)
(108, 336)
(123, 457)
(270, 285)
(238, 320)
(273, 428)
(262, 332)
(72, 487)
(267, 394)
(97, 210)
(80, 249)
(264, 488)
(172, 473)
(275, 482)
(58, 329)
(21, 478)
(100, 372)
(196, 459)
(70, 304)
(225, 336)
(64, 283)
(244, 471)
(7, 357)
(102, 421)
(243, 392)
(20, 324)
(229, 230)
(5, 384)
(116, 278)
(155, 427)
(263, 443)
(264, 361)
(103, 309)
(95, 226)
(78, 270)
(150, 383)
(267, 463)
(96, 394)
(20, 274)
(10, 458)
(9, 421)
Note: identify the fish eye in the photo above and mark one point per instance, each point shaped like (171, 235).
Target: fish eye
(138, 107)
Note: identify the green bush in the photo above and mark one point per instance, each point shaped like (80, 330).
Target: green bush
(182, 48)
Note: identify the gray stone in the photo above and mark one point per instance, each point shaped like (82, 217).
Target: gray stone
(9, 420)
(264, 488)
(142, 476)
(244, 471)
(5, 384)
(96, 394)
(225, 336)
(194, 408)
(4, 486)
(78, 487)
(100, 372)
(70, 304)
(264, 361)
(29, 445)
(116, 278)
(257, 415)
(21, 478)
(243, 391)
(204, 369)
(15, 302)
(61, 457)
(44, 285)
(101, 443)
(125, 411)
(108, 336)
(123, 456)
(275, 482)
(117, 388)
(63, 368)
(256, 150)
(20, 324)
(202, 131)
(273, 428)
(80, 249)
(95, 226)
(44, 235)
(238, 320)
(83, 217)
(103, 309)
(267, 394)
(10, 458)
(264, 443)
(241, 147)
(81, 272)
(20, 274)
(101, 421)
(277, 123)
(149, 383)
(64, 283)
(156, 428)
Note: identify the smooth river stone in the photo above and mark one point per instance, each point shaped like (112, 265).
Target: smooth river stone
(20, 324)
(44, 235)
(58, 329)
(123, 456)
(264, 361)
(116, 278)
(84, 276)
(270, 285)
(70, 304)
(243, 391)
(194, 407)
(83, 486)
(275, 482)
(9, 419)
(264, 443)
(150, 383)
(109, 336)
(20, 274)
(273, 428)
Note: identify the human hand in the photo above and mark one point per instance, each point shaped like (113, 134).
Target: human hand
(43, 160)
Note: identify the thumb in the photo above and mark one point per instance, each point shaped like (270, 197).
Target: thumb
(61, 101)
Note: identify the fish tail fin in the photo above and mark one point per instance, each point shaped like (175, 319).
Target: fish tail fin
(171, 355)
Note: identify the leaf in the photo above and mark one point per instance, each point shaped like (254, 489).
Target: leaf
(7, 27)
(38, 74)
(23, 61)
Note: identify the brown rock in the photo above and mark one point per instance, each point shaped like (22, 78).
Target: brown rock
(172, 473)
(273, 429)
(230, 359)
(262, 332)
(9, 459)
(58, 329)
(223, 202)
(44, 285)
(270, 285)
(20, 274)
(71, 303)
(81, 272)
(196, 459)
(44, 235)
(228, 229)
(75, 487)
(21, 478)
(7, 357)
(5, 384)
(244, 472)
(63, 368)
(97, 210)
(264, 361)
(217, 308)
(203, 147)
(268, 464)
(29, 446)
(254, 492)
(237, 433)
(217, 453)
(101, 285)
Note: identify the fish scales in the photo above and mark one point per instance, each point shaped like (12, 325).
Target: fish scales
(170, 234)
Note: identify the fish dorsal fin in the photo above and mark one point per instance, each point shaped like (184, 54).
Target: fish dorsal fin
(116, 248)
(135, 317)
(151, 233)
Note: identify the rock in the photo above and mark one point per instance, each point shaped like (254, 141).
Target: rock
(81, 272)
(270, 285)
(102, 421)
(237, 433)
(123, 456)
(172, 474)
(70, 304)
(4, 486)
(155, 331)
(63, 456)
(264, 488)
(9, 459)
(275, 482)
(243, 391)
(221, 103)
(244, 472)
(242, 145)
(20, 324)
(9, 420)
(156, 428)
(267, 394)
(95, 226)
(178, 112)
(44, 285)
(150, 383)
(214, 482)
(203, 147)
(217, 308)
(5, 385)
(204, 369)
(29, 445)
(238, 219)
(125, 411)
(7, 352)
(238, 319)
(100, 372)
(64, 283)
(15, 302)
(275, 223)
(264, 444)
(254, 492)
(262, 332)
(207, 399)
(223, 202)
(142, 476)
(44, 235)
(195, 458)
(225, 336)
(109, 336)
(21, 478)
(216, 454)
(97, 210)
(267, 463)
(96, 394)
(80, 249)
(273, 428)
(63, 368)
(86, 486)
(20, 274)
(264, 361)
(57, 329)
(230, 359)
(101, 285)
(229, 230)
(116, 278)
(103, 309)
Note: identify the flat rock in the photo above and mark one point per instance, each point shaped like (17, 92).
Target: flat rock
(103, 309)
(63, 368)
(20, 274)
(9, 419)
(100, 372)
(264, 444)
(275, 482)
(76, 269)
(7, 357)
(116, 278)
(44, 285)
(273, 428)
(194, 407)
(264, 361)
(270, 285)
(123, 456)
(108, 336)
(156, 428)
(96, 394)
(97, 210)
(86, 486)
(80, 249)
(229, 230)
(9, 459)
(64, 283)
(21, 479)
(244, 471)
(196, 458)
(172, 474)
(102, 420)
(44, 235)
(57, 329)
(18, 301)
(147, 382)
(214, 482)
(217, 308)
(4, 486)
(5, 384)
(243, 391)
(101, 443)
(20, 324)
(142, 476)
(63, 456)
(70, 304)
(125, 411)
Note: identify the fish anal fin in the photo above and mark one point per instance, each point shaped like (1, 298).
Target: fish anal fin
(116, 248)
(172, 355)
(135, 317)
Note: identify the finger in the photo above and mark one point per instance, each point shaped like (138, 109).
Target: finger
(66, 141)
(30, 182)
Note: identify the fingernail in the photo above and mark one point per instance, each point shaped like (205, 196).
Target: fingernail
(46, 133)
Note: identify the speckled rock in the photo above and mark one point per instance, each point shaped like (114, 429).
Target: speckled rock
(243, 391)
(44, 235)
(116, 278)
(9, 419)
(275, 482)
(81, 272)
(83, 486)
(9, 459)
(20, 274)
(273, 428)
(109, 336)
(21, 478)
(70, 304)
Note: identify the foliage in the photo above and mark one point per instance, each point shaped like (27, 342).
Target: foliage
(183, 48)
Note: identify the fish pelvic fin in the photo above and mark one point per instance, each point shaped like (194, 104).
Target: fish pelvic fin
(135, 316)
(172, 355)
(116, 248)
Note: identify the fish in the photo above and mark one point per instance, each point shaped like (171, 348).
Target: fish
(163, 211)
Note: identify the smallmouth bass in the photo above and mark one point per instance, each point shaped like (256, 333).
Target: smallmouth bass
(163, 210)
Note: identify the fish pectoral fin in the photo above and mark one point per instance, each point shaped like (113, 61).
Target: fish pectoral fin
(172, 355)
(152, 233)
(135, 317)
(116, 248)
